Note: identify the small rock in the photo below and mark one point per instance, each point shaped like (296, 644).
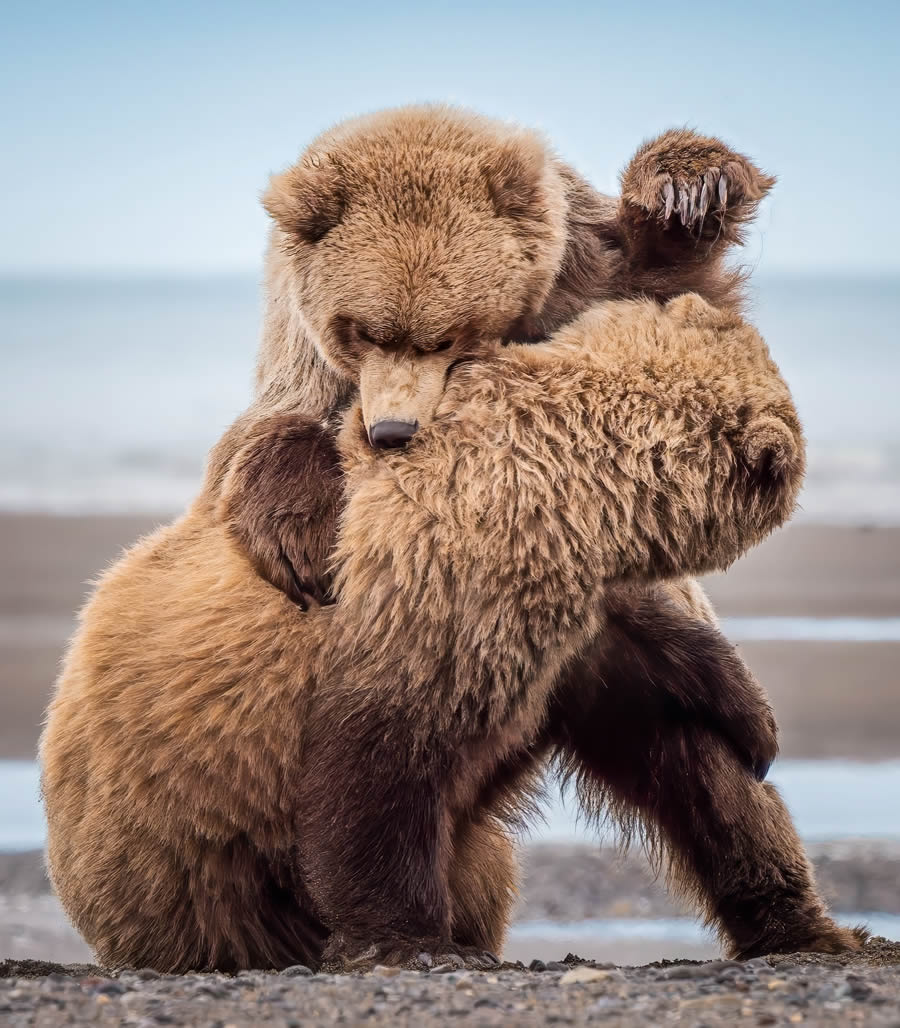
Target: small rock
(757, 964)
(605, 1005)
(724, 999)
(146, 974)
(686, 972)
(212, 989)
(110, 989)
(557, 965)
(297, 971)
(384, 971)
(444, 969)
(425, 959)
(537, 965)
(580, 975)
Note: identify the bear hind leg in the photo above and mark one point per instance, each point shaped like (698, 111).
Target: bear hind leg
(483, 879)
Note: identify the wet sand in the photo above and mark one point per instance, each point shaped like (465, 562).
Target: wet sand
(833, 699)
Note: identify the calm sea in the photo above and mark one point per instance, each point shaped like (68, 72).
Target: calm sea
(112, 392)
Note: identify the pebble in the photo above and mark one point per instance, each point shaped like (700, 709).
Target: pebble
(718, 994)
(297, 971)
(579, 975)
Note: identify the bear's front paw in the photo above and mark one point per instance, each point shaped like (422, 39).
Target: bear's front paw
(345, 954)
(692, 181)
(822, 937)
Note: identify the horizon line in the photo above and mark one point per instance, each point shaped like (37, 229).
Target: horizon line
(186, 275)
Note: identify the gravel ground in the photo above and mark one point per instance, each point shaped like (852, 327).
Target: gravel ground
(802, 988)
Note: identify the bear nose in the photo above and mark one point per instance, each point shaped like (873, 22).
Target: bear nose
(388, 435)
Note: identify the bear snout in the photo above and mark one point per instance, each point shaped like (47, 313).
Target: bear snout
(391, 435)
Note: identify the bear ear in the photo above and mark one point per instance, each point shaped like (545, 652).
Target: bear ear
(515, 179)
(308, 199)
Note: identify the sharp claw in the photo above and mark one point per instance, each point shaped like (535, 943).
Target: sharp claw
(693, 202)
(669, 197)
(704, 200)
(723, 190)
(683, 204)
(710, 180)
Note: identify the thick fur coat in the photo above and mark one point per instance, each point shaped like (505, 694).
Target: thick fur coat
(233, 782)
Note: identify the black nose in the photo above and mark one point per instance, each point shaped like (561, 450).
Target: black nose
(388, 435)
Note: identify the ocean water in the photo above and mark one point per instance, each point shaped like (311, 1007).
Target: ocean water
(829, 799)
(111, 393)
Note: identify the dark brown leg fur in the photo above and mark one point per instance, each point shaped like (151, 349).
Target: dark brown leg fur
(284, 499)
(628, 731)
(375, 841)
(483, 884)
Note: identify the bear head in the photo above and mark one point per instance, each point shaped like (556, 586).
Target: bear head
(404, 242)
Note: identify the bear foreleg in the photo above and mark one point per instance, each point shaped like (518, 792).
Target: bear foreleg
(681, 785)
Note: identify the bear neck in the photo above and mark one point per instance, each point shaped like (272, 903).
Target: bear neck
(291, 373)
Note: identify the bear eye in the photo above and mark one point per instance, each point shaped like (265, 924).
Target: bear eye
(444, 344)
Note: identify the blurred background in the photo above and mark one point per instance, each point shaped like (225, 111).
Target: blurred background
(136, 140)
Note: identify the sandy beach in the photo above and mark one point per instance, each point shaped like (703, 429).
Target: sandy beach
(833, 699)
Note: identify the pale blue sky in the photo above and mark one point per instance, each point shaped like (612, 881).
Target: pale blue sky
(137, 136)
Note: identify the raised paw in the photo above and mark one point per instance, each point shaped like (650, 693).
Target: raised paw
(695, 183)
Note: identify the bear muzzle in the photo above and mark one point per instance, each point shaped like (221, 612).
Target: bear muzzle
(399, 393)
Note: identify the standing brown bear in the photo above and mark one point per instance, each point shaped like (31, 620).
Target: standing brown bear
(232, 781)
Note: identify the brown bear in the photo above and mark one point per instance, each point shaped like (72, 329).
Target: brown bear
(231, 781)
(425, 190)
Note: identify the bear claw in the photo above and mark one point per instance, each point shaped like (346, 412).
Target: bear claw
(692, 199)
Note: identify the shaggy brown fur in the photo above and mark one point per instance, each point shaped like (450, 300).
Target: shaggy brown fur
(404, 241)
(233, 782)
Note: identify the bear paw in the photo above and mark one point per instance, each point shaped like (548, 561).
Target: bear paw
(825, 937)
(344, 954)
(684, 178)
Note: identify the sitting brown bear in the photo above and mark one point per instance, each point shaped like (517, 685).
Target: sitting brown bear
(231, 781)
